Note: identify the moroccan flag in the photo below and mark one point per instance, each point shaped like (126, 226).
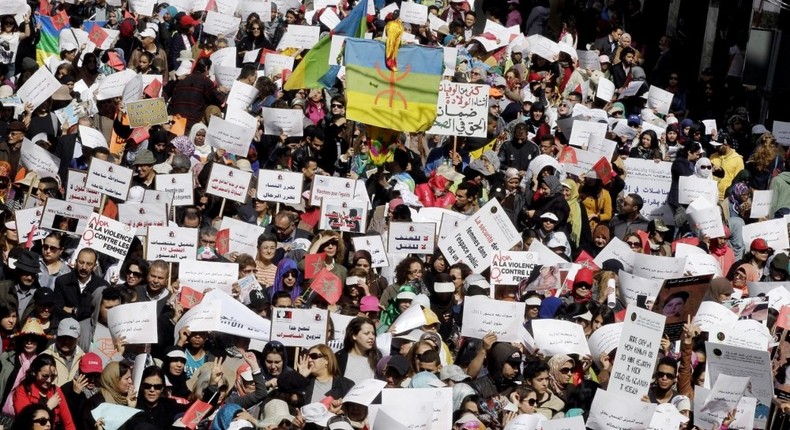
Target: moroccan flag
(604, 170)
(404, 100)
(328, 286)
(188, 297)
(47, 45)
(97, 35)
(223, 241)
(568, 155)
(195, 414)
(784, 318)
(60, 20)
(313, 263)
(315, 63)
(587, 261)
(153, 89)
(139, 135)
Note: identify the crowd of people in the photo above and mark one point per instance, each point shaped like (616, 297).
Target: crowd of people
(63, 367)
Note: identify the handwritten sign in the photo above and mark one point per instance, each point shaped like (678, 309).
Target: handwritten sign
(105, 235)
(65, 216)
(279, 121)
(707, 220)
(589, 60)
(39, 87)
(37, 159)
(658, 267)
(691, 188)
(222, 313)
(761, 203)
(449, 223)
(737, 361)
(243, 236)
(228, 182)
(77, 192)
(587, 133)
(147, 112)
(223, 134)
(134, 321)
(477, 238)
(439, 402)
(140, 216)
(153, 196)
(462, 110)
(773, 231)
(411, 237)
(113, 85)
(604, 340)
(610, 410)
(652, 181)
(221, 25)
(241, 95)
(299, 327)
(659, 99)
(555, 337)
(375, 246)
(276, 63)
(781, 131)
(331, 187)
(343, 215)
(631, 287)
(299, 36)
(27, 222)
(511, 267)
(203, 275)
(171, 243)
(109, 178)
(180, 184)
(483, 315)
(633, 369)
(414, 13)
(91, 137)
(280, 186)
(605, 90)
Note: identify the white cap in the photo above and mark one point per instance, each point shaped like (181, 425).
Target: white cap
(549, 215)
(444, 287)
(405, 295)
(68, 46)
(148, 32)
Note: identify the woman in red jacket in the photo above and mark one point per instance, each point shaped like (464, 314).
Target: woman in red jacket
(38, 388)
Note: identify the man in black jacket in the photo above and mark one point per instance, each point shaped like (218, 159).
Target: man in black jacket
(73, 290)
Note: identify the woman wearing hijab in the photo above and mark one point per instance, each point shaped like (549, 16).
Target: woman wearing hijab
(744, 274)
(721, 251)
(703, 168)
(14, 363)
(560, 374)
(287, 278)
(174, 368)
(601, 237)
(739, 204)
(597, 202)
(442, 301)
(549, 198)
(578, 225)
(397, 306)
(485, 173)
(720, 290)
(114, 388)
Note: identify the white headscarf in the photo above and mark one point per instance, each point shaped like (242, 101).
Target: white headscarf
(703, 173)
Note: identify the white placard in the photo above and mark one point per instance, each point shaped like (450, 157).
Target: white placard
(343, 215)
(171, 244)
(77, 192)
(413, 317)
(450, 56)
(299, 327)
(336, 44)
(38, 88)
(658, 267)
(604, 340)
(27, 221)
(411, 237)
(781, 132)
(691, 188)
(276, 63)
(589, 60)
(279, 121)
(475, 241)
(203, 275)
(511, 267)
(572, 423)
(543, 47)
(134, 321)
(223, 134)
(761, 203)
(142, 7)
(37, 159)
(133, 90)
(280, 186)
(585, 160)
(737, 361)
(555, 337)
(605, 148)
(636, 353)
(449, 222)
(228, 182)
(262, 7)
(226, 75)
(107, 236)
(631, 287)
(243, 236)
(220, 312)
(112, 85)
(331, 187)
(707, 221)
(180, 185)
(299, 36)
(109, 178)
(652, 181)
(586, 133)
(773, 231)
(340, 323)
(153, 196)
(605, 90)
(441, 399)
(614, 411)
(710, 126)
(241, 96)
(413, 13)
(462, 110)
(483, 315)
(91, 137)
(330, 19)
(618, 250)
(659, 99)
(375, 246)
(748, 333)
(221, 25)
(140, 216)
(65, 216)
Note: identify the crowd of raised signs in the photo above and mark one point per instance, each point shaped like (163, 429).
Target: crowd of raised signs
(584, 238)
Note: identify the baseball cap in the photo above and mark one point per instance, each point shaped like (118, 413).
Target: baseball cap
(659, 225)
(399, 364)
(759, 245)
(604, 59)
(444, 287)
(187, 21)
(44, 296)
(780, 262)
(176, 353)
(549, 215)
(454, 373)
(69, 327)
(533, 301)
(584, 275)
(147, 33)
(634, 119)
(405, 295)
(90, 363)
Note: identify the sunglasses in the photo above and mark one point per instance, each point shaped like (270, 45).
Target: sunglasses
(566, 370)
(706, 167)
(155, 387)
(290, 274)
(659, 375)
(50, 377)
(583, 287)
(46, 247)
(335, 105)
(41, 421)
(315, 355)
(634, 244)
(531, 401)
(551, 221)
(135, 274)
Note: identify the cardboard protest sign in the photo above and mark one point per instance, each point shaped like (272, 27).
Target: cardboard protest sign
(691, 187)
(781, 132)
(658, 267)
(439, 402)
(171, 244)
(375, 246)
(65, 216)
(343, 215)
(411, 237)
(774, 232)
(180, 184)
(554, 337)
(462, 110)
(229, 183)
(38, 88)
(331, 187)
(299, 327)
(109, 178)
(37, 159)
(615, 411)
(224, 134)
(241, 96)
(632, 373)
(680, 299)
(279, 121)
(280, 186)
(222, 313)
(140, 216)
(299, 36)
(134, 321)
(511, 267)
(483, 315)
(652, 181)
(107, 236)
(736, 361)
(221, 25)
(203, 275)
(605, 340)
(147, 112)
(242, 236)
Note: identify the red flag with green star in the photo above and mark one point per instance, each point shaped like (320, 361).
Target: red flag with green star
(327, 285)
(313, 263)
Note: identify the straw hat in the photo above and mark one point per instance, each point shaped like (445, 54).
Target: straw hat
(32, 327)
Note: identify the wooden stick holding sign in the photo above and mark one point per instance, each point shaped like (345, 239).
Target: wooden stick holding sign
(29, 189)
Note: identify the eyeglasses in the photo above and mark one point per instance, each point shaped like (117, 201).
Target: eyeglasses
(660, 375)
(46, 247)
(455, 278)
(549, 220)
(337, 105)
(135, 274)
(256, 28)
(566, 370)
(50, 377)
(315, 355)
(634, 244)
(475, 73)
(706, 167)
(282, 230)
(41, 421)
(156, 387)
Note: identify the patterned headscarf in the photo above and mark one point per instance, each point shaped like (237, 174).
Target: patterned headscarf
(555, 365)
(736, 192)
(184, 145)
